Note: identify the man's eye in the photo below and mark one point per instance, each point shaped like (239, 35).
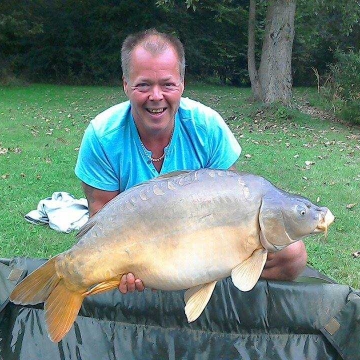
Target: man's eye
(142, 87)
(170, 86)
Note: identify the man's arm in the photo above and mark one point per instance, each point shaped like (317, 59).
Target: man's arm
(97, 198)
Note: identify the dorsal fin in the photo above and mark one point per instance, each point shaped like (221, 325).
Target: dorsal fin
(85, 228)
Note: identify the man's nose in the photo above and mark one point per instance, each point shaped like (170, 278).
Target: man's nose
(156, 93)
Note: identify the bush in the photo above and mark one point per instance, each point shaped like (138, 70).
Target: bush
(345, 84)
(351, 112)
(7, 76)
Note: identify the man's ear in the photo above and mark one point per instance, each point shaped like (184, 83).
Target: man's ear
(125, 86)
(183, 85)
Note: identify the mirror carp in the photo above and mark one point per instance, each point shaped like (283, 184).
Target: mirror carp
(184, 230)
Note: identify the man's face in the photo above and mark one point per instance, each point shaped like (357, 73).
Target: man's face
(154, 89)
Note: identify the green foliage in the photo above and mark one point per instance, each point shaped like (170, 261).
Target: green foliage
(215, 41)
(351, 111)
(345, 84)
(80, 41)
(322, 26)
(42, 126)
(346, 75)
(283, 113)
(14, 26)
(189, 3)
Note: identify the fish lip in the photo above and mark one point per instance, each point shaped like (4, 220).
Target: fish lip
(325, 221)
(320, 228)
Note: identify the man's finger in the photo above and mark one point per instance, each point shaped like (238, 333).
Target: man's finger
(123, 285)
(130, 281)
(139, 285)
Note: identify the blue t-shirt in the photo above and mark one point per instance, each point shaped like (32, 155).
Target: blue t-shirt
(111, 156)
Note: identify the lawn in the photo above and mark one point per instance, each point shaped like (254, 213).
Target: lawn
(41, 127)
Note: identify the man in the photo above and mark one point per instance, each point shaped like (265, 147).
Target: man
(156, 132)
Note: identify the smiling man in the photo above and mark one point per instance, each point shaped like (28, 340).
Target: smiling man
(158, 131)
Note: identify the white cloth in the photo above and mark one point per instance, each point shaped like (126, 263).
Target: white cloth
(61, 211)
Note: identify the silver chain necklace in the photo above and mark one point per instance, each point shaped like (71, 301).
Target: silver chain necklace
(149, 156)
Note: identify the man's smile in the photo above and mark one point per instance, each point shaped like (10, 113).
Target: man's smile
(156, 111)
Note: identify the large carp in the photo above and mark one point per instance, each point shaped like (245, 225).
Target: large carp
(180, 231)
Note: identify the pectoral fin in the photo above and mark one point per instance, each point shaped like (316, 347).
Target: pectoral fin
(246, 274)
(196, 299)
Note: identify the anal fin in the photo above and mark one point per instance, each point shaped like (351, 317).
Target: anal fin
(103, 286)
(196, 299)
(246, 274)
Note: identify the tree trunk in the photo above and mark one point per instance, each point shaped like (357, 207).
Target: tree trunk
(275, 66)
(253, 73)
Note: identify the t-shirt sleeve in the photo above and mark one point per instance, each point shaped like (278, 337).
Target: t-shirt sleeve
(93, 166)
(224, 149)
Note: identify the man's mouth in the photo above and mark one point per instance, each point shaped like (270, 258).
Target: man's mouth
(156, 111)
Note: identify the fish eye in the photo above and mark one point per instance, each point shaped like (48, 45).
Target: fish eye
(301, 210)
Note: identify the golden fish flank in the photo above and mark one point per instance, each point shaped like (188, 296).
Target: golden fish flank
(189, 230)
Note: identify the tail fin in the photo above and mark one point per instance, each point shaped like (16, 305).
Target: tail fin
(36, 287)
(61, 304)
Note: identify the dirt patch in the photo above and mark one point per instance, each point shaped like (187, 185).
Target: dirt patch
(317, 113)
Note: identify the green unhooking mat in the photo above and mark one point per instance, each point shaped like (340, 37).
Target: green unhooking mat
(274, 321)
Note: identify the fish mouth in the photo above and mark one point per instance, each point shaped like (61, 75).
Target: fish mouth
(325, 222)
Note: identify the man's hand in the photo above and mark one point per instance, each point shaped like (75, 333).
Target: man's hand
(286, 264)
(128, 283)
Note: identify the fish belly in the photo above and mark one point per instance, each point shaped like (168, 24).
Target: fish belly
(194, 259)
(168, 262)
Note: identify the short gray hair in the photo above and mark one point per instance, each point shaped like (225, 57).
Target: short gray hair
(155, 42)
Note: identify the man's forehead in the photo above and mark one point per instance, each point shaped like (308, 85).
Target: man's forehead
(141, 51)
(143, 61)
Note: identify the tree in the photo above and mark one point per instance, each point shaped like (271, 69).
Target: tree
(273, 80)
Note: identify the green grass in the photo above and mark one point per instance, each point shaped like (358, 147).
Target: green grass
(41, 127)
